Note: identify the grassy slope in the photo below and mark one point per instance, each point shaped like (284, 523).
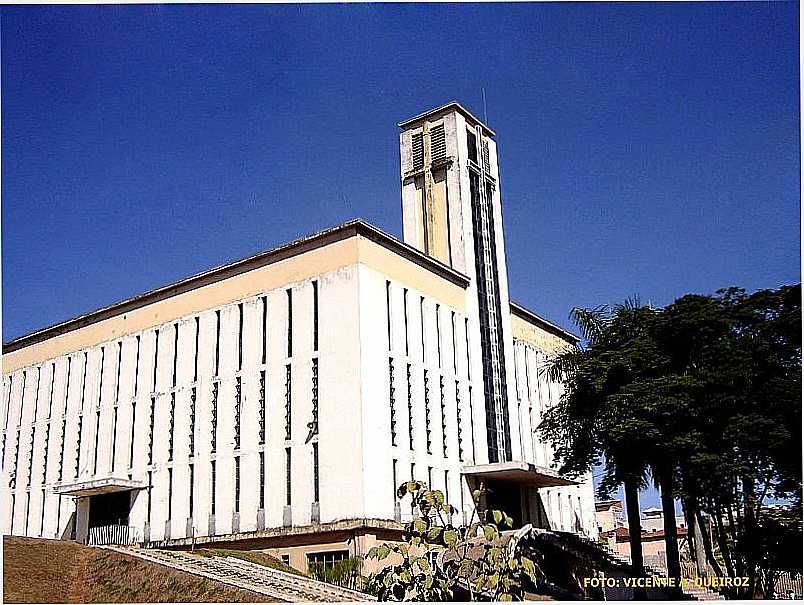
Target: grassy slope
(53, 571)
(254, 556)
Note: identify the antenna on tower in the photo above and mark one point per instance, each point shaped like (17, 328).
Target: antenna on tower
(485, 113)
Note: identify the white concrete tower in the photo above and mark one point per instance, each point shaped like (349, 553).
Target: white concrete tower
(452, 212)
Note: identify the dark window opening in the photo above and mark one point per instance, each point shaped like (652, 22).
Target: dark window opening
(471, 141)
(290, 322)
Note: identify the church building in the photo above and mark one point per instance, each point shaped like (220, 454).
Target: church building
(277, 402)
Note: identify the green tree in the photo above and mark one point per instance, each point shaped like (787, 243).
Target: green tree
(599, 416)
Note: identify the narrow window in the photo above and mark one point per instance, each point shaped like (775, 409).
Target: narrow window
(77, 446)
(97, 436)
(316, 485)
(214, 436)
(427, 428)
(63, 419)
(175, 352)
(116, 402)
(388, 313)
(170, 494)
(391, 399)
(421, 317)
(42, 519)
(239, 337)
(313, 426)
(192, 422)
(27, 512)
(80, 419)
(36, 394)
(412, 478)
(151, 431)
(262, 479)
(137, 366)
(459, 420)
(172, 426)
(468, 363)
(156, 360)
(237, 484)
(410, 407)
(315, 315)
(472, 423)
(287, 402)
(212, 508)
(8, 400)
(25, 382)
(195, 354)
(393, 478)
(454, 349)
(17, 452)
(264, 328)
(45, 453)
(217, 341)
(262, 407)
(471, 140)
(31, 455)
(131, 441)
(405, 310)
(52, 384)
(97, 413)
(446, 487)
(192, 488)
(287, 477)
(238, 410)
(438, 332)
(443, 415)
(430, 477)
(150, 487)
(290, 322)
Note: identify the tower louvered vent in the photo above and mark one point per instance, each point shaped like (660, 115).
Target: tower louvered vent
(418, 151)
(486, 163)
(438, 143)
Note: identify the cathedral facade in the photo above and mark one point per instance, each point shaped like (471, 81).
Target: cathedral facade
(278, 401)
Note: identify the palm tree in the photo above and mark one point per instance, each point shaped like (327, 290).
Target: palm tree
(592, 420)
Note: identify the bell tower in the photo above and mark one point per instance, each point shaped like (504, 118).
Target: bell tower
(451, 211)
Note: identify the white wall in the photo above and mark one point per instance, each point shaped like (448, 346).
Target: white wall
(339, 418)
(568, 506)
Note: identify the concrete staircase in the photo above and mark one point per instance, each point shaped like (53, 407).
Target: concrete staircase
(249, 576)
(698, 593)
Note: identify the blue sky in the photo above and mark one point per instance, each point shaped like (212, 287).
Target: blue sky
(645, 149)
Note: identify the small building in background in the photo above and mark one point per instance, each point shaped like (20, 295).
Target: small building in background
(609, 515)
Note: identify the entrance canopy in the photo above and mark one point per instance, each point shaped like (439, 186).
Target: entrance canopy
(522, 473)
(93, 487)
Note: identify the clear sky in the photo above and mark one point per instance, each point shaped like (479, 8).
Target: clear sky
(645, 149)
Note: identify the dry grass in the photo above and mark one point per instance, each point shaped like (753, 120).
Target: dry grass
(253, 556)
(54, 571)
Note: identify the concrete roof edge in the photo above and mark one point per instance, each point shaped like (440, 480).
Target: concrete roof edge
(352, 228)
(452, 104)
(529, 315)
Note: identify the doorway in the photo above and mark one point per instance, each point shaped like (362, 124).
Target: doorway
(109, 509)
(506, 497)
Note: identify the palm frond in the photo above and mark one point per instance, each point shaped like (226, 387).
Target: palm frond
(591, 322)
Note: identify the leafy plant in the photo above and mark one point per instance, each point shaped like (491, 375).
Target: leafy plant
(436, 559)
(346, 573)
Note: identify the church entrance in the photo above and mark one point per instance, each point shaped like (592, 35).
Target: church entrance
(109, 509)
(507, 497)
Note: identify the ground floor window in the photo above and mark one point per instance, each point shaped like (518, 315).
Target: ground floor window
(327, 559)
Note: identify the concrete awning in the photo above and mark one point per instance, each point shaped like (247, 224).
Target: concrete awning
(522, 473)
(93, 487)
